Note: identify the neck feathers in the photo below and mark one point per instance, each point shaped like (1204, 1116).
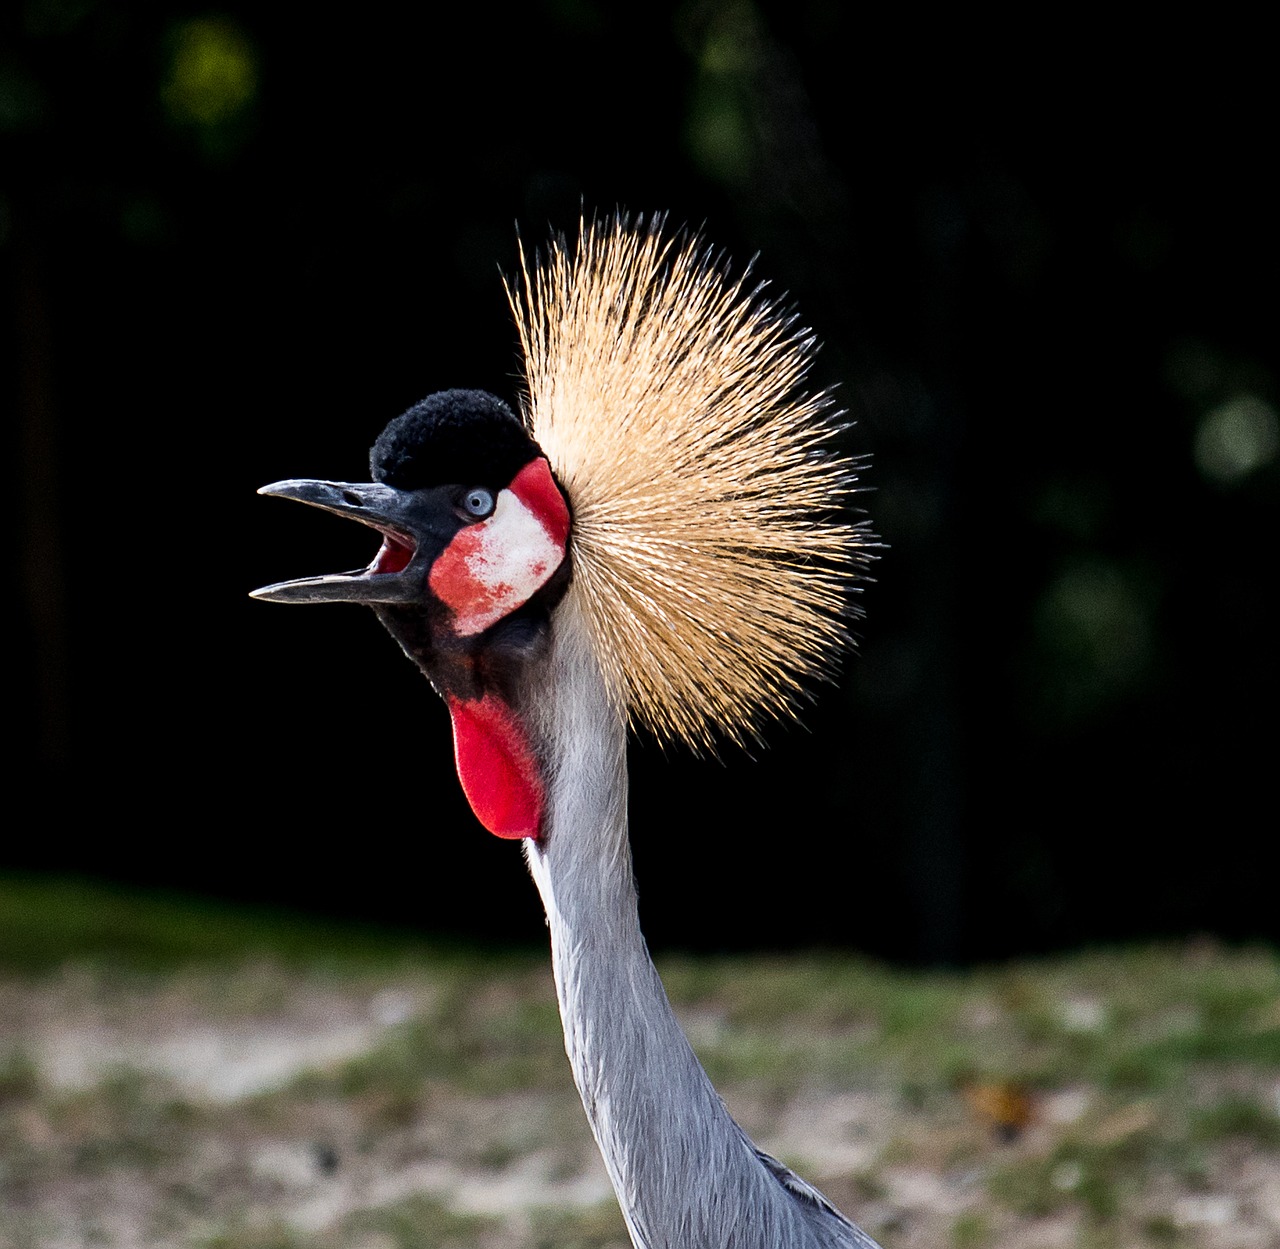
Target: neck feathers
(685, 1174)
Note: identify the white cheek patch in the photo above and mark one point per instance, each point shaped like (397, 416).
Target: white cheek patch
(490, 569)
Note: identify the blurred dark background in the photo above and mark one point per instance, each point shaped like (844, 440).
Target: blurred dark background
(1043, 262)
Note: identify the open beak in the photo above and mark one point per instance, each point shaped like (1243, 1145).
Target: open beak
(398, 571)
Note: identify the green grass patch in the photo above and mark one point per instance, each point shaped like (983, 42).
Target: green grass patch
(415, 1223)
(598, 1227)
(1236, 1117)
(46, 922)
(971, 1230)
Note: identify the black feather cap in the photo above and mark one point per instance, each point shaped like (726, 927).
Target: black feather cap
(454, 437)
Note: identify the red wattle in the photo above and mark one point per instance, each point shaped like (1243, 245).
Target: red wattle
(496, 766)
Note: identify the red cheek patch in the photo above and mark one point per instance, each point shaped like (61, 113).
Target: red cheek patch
(491, 568)
(496, 766)
(468, 577)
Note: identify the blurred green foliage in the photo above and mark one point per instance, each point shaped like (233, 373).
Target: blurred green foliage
(234, 241)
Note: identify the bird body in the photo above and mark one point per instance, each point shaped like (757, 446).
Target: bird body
(653, 543)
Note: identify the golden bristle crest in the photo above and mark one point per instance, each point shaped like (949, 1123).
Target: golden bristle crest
(706, 541)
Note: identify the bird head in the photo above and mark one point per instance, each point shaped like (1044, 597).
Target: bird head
(474, 556)
(712, 567)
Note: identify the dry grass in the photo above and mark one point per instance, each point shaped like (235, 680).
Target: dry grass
(405, 1095)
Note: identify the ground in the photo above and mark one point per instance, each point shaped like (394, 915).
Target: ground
(253, 1088)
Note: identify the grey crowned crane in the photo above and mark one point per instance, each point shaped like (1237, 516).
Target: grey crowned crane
(654, 539)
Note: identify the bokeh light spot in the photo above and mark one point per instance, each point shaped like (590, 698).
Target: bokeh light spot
(719, 129)
(1236, 438)
(1094, 637)
(213, 74)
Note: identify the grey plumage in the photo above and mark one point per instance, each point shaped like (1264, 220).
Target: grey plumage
(686, 1175)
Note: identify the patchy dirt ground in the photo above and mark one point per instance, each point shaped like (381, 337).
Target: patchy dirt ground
(1113, 1100)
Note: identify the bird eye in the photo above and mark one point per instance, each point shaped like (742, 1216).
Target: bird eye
(477, 503)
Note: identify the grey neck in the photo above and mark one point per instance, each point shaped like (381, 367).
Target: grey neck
(685, 1174)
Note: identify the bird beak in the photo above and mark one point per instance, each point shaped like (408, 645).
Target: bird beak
(399, 569)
